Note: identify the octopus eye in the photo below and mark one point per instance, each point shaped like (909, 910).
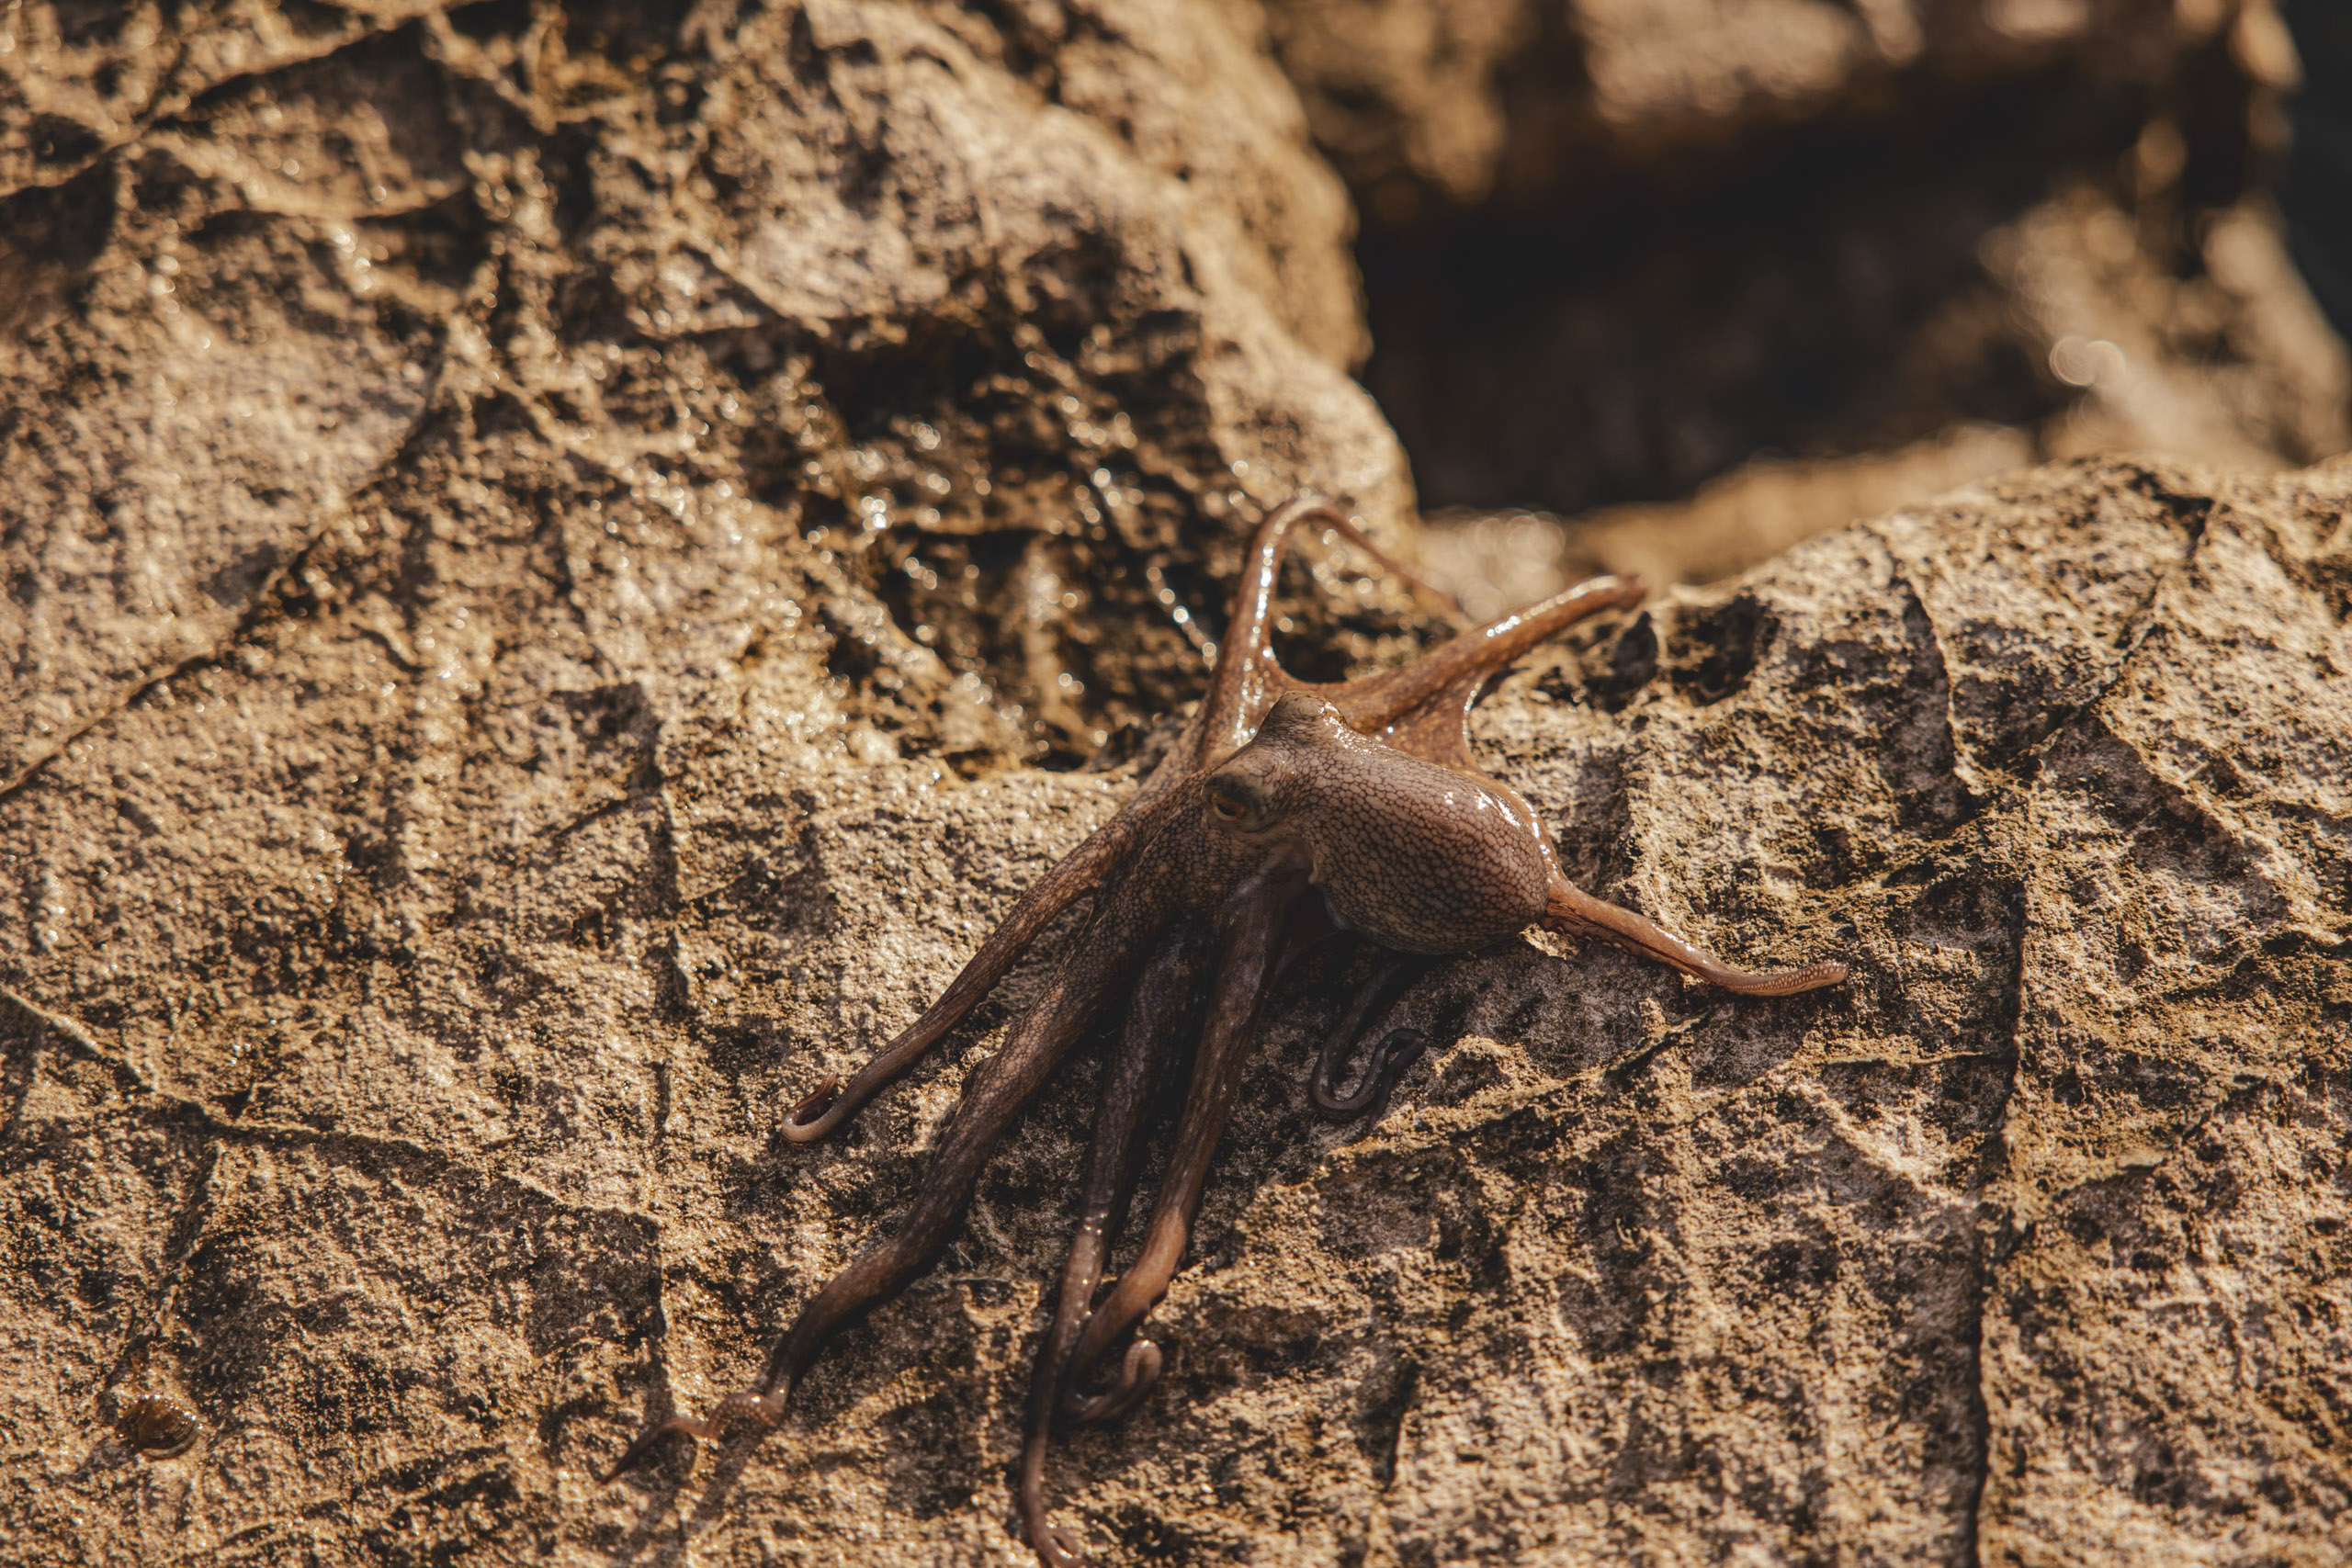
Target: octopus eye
(1235, 803)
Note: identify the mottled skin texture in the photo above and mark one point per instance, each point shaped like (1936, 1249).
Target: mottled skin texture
(1362, 792)
(1410, 855)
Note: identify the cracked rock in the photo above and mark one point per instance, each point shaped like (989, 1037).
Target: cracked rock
(408, 949)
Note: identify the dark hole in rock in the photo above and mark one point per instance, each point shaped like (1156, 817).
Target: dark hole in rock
(1716, 650)
(1632, 662)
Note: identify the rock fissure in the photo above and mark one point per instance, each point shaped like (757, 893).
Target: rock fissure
(746, 479)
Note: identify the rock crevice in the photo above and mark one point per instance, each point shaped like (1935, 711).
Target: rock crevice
(492, 727)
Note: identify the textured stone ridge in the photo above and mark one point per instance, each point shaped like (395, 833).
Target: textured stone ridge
(2028, 1246)
(1042, 292)
(510, 785)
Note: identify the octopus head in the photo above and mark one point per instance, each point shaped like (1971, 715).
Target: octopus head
(1257, 791)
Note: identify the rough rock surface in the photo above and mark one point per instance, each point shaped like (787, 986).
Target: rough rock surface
(836, 267)
(407, 950)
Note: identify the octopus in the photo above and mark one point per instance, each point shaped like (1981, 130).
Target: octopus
(1286, 807)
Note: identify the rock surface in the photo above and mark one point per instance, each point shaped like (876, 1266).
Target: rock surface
(452, 814)
(1461, 100)
(834, 268)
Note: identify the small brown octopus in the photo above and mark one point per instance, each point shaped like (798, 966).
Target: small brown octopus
(1361, 795)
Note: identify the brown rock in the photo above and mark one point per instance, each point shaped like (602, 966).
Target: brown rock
(403, 978)
(1513, 98)
(824, 268)
(1813, 260)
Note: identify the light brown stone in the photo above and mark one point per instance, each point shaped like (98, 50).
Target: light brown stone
(406, 952)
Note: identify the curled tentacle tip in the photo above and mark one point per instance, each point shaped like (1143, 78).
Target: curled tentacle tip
(805, 1119)
(1056, 1547)
(1139, 1371)
(1395, 1057)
